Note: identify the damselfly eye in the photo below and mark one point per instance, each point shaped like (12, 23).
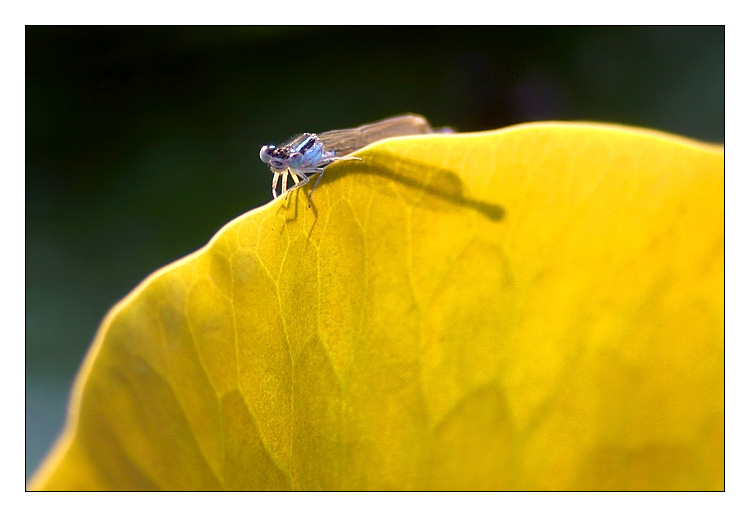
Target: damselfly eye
(295, 160)
(265, 153)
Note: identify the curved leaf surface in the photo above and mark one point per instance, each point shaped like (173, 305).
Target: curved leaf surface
(539, 307)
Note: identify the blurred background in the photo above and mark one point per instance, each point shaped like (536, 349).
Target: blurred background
(141, 142)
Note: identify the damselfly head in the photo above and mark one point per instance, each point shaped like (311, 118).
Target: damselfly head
(265, 153)
(274, 157)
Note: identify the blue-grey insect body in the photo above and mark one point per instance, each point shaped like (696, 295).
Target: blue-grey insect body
(310, 153)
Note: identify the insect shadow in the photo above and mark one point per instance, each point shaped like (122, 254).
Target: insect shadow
(435, 188)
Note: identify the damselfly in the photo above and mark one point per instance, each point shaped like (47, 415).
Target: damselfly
(310, 153)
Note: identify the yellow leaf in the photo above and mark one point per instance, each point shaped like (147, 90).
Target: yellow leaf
(539, 307)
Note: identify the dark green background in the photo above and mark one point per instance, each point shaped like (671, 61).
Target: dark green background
(142, 142)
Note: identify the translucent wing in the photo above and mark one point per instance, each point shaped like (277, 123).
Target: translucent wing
(345, 141)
